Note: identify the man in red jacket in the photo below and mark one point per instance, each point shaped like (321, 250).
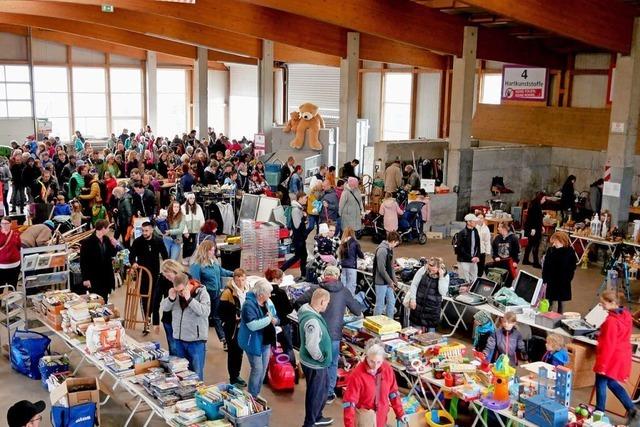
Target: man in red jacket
(371, 389)
(613, 356)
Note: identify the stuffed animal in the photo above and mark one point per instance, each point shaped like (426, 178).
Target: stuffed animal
(309, 119)
(292, 124)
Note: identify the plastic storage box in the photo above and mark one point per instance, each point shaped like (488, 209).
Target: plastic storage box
(211, 409)
(261, 419)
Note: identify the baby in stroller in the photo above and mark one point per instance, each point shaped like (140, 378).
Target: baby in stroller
(412, 222)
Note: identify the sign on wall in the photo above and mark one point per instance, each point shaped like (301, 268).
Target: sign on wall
(521, 83)
(259, 144)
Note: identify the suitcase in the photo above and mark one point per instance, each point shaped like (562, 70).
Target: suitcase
(281, 374)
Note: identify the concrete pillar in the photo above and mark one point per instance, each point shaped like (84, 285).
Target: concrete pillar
(152, 90)
(349, 67)
(460, 156)
(200, 92)
(265, 85)
(623, 130)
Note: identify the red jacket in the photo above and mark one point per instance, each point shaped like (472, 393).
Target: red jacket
(360, 394)
(613, 353)
(10, 249)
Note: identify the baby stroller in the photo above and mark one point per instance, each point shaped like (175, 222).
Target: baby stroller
(372, 225)
(411, 224)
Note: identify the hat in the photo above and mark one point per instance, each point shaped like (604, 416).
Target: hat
(49, 224)
(22, 412)
(470, 217)
(323, 229)
(331, 271)
(79, 163)
(481, 317)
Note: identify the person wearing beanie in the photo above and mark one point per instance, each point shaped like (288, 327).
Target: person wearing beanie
(25, 414)
(37, 235)
(483, 329)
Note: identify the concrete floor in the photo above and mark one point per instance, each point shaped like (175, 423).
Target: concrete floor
(288, 408)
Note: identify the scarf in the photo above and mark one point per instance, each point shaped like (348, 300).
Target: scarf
(482, 329)
(241, 294)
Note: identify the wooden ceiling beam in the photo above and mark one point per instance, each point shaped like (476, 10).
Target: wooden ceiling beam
(141, 22)
(218, 56)
(296, 55)
(282, 27)
(603, 24)
(88, 43)
(101, 32)
(18, 30)
(402, 21)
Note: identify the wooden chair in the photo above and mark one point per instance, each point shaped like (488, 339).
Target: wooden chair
(133, 301)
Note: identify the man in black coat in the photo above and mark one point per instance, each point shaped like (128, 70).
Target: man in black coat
(349, 169)
(283, 182)
(96, 254)
(146, 251)
(468, 249)
(144, 201)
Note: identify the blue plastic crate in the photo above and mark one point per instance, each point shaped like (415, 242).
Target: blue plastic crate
(211, 409)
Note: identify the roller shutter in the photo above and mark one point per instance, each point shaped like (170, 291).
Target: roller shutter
(317, 84)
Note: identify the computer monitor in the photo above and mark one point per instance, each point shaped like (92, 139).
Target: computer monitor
(527, 286)
(484, 287)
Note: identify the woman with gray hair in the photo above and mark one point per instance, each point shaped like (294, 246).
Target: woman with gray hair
(257, 332)
(5, 177)
(122, 213)
(372, 376)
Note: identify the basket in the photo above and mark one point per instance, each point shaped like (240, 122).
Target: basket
(260, 419)
(211, 409)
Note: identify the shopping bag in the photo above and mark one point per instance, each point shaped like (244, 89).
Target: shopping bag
(83, 415)
(27, 348)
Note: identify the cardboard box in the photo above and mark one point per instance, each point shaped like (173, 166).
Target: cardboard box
(54, 320)
(582, 357)
(76, 391)
(142, 368)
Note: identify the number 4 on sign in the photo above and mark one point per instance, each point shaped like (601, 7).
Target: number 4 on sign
(524, 74)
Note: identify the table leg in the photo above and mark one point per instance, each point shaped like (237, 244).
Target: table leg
(149, 418)
(75, 371)
(133, 412)
(460, 320)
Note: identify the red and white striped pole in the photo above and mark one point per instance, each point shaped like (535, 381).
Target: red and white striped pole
(607, 171)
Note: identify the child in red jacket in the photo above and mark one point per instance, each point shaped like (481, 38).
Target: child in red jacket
(613, 355)
(360, 400)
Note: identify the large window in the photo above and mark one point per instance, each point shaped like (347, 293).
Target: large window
(90, 101)
(126, 99)
(15, 91)
(396, 110)
(491, 89)
(50, 85)
(172, 102)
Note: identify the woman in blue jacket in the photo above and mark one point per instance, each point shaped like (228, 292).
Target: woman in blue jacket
(257, 332)
(349, 253)
(207, 270)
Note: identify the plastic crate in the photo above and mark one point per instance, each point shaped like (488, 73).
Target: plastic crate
(261, 419)
(211, 409)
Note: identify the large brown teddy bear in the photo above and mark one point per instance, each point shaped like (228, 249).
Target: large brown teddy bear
(292, 124)
(309, 119)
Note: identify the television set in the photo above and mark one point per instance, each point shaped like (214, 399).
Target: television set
(527, 286)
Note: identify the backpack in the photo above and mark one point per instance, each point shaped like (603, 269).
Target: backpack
(455, 241)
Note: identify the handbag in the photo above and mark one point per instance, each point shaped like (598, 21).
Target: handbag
(27, 348)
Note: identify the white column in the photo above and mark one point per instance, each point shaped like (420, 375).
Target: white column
(349, 99)
(460, 157)
(152, 90)
(265, 91)
(200, 89)
(623, 129)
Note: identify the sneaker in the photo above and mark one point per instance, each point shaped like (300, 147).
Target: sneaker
(331, 398)
(239, 382)
(324, 421)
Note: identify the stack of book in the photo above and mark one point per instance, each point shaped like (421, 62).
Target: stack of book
(188, 413)
(176, 364)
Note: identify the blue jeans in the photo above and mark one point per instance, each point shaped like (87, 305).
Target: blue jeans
(602, 382)
(313, 221)
(333, 368)
(258, 370)
(349, 279)
(195, 352)
(385, 293)
(168, 330)
(173, 247)
(214, 317)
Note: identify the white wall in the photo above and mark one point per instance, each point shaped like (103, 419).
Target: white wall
(243, 101)
(16, 129)
(371, 103)
(218, 100)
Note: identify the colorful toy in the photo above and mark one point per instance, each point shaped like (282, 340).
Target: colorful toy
(281, 375)
(564, 377)
(439, 418)
(544, 411)
(502, 374)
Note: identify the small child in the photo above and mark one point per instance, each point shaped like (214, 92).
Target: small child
(76, 214)
(161, 221)
(507, 340)
(557, 354)
(98, 211)
(324, 250)
(61, 208)
(482, 331)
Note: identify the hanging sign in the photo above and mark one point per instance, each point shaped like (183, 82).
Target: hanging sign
(524, 83)
(259, 144)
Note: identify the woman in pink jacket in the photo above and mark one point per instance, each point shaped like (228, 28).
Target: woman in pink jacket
(390, 210)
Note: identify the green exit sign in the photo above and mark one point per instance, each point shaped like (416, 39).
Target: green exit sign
(107, 8)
